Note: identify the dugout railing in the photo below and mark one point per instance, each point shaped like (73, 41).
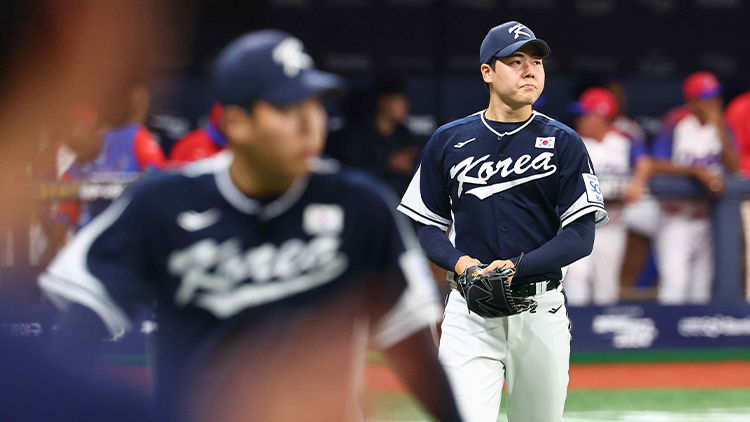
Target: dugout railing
(727, 227)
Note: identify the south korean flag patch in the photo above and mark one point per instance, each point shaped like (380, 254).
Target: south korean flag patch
(593, 189)
(323, 219)
(548, 142)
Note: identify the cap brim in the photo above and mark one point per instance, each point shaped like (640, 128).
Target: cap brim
(309, 84)
(576, 108)
(710, 93)
(507, 51)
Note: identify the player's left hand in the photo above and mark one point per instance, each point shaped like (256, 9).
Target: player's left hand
(713, 181)
(499, 263)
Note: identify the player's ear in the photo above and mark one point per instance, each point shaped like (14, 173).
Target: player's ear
(236, 124)
(486, 73)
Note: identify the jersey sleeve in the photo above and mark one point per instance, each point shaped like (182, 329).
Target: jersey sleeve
(662, 145)
(104, 266)
(148, 152)
(426, 199)
(68, 211)
(403, 296)
(580, 193)
(736, 118)
(192, 147)
(638, 149)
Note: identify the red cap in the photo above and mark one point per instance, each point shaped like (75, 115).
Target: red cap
(596, 101)
(701, 86)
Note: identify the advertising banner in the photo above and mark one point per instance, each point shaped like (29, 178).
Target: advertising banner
(652, 326)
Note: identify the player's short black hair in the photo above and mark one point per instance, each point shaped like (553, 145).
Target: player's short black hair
(249, 105)
(491, 64)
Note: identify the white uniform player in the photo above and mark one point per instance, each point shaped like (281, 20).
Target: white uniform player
(506, 181)
(597, 277)
(695, 141)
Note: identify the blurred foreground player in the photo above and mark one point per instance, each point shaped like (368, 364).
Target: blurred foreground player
(270, 267)
(55, 56)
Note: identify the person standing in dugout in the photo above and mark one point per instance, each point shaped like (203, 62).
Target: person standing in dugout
(503, 182)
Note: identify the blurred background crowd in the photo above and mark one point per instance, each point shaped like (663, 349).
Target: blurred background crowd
(95, 93)
(101, 97)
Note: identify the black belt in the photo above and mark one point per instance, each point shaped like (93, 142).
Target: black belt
(532, 289)
(519, 290)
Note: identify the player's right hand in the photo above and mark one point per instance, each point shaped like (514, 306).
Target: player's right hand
(633, 192)
(638, 184)
(712, 180)
(465, 262)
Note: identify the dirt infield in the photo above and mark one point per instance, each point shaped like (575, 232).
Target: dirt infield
(622, 376)
(583, 376)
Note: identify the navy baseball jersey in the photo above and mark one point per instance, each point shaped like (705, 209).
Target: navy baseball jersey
(503, 193)
(219, 263)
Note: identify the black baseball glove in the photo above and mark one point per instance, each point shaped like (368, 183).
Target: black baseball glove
(489, 295)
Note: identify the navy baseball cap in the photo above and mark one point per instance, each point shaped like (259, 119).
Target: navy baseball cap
(504, 40)
(272, 66)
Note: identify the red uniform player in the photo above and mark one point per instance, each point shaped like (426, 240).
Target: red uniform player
(200, 143)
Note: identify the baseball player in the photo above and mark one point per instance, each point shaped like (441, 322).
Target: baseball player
(597, 276)
(506, 181)
(119, 152)
(738, 118)
(269, 266)
(200, 143)
(125, 151)
(695, 142)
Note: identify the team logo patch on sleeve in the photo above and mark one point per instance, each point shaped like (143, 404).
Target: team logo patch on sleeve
(593, 189)
(545, 142)
(323, 219)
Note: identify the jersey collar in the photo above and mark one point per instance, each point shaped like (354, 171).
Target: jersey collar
(247, 205)
(500, 135)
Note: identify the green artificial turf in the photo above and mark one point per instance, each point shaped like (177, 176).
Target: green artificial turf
(587, 404)
(661, 400)
(665, 355)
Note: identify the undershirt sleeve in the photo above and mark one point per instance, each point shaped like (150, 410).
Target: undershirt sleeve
(438, 247)
(574, 242)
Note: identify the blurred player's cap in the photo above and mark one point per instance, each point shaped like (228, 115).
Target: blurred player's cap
(269, 65)
(504, 40)
(701, 86)
(596, 101)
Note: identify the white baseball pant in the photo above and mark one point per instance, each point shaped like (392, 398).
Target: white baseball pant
(684, 257)
(529, 351)
(597, 276)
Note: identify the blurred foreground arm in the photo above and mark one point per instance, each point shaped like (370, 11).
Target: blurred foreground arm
(415, 361)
